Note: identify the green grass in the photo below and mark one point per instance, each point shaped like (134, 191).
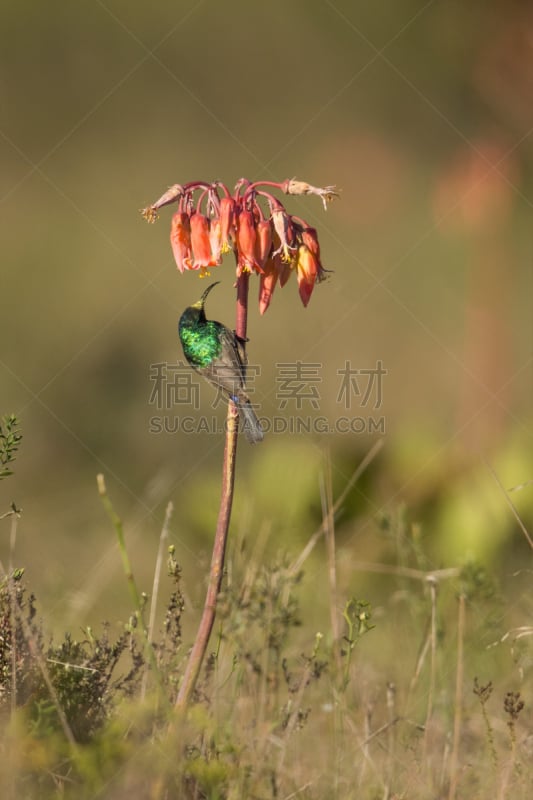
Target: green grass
(274, 714)
(417, 685)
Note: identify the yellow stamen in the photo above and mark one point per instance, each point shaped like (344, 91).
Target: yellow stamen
(149, 214)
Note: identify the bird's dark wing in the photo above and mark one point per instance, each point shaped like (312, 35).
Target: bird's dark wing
(227, 370)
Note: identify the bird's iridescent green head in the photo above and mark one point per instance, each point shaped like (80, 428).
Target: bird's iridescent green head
(199, 336)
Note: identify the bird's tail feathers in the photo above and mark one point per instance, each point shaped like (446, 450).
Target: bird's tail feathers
(250, 425)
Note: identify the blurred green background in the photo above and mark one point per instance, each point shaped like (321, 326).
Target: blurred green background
(421, 113)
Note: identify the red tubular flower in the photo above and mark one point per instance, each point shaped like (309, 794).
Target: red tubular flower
(308, 270)
(201, 246)
(310, 239)
(263, 242)
(180, 240)
(285, 270)
(267, 282)
(215, 240)
(246, 237)
(211, 222)
(227, 223)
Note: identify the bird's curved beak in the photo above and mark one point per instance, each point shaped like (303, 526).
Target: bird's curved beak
(201, 301)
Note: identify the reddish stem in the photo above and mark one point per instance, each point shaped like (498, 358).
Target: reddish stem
(274, 185)
(193, 185)
(242, 183)
(201, 200)
(216, 572)
(242, 305)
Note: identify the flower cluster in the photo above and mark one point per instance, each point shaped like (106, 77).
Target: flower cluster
(251, 222)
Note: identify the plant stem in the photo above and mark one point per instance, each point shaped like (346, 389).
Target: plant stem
(432, 583)
(328, 517)
(242, 305)
(458, 715)
(155, 591)
(216, 571)
(117, 524)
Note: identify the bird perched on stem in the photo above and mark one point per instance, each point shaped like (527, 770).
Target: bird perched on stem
(219, 356)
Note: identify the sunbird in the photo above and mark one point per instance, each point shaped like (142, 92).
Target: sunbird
(218, 355)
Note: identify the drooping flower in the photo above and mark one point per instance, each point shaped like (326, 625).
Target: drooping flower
(227, 223)
(180, 240)
(253, 224)
(246, 238)
(263, 242)
(215, 239)
(308, 269)
(310, 239)
(286, 268)
(267, 281)
(201, 246)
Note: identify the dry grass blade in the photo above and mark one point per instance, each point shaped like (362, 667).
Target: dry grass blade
(433, 663)
(328, 523)
(367, 460)
(510, 504)
(458, 715)
(155, 588)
